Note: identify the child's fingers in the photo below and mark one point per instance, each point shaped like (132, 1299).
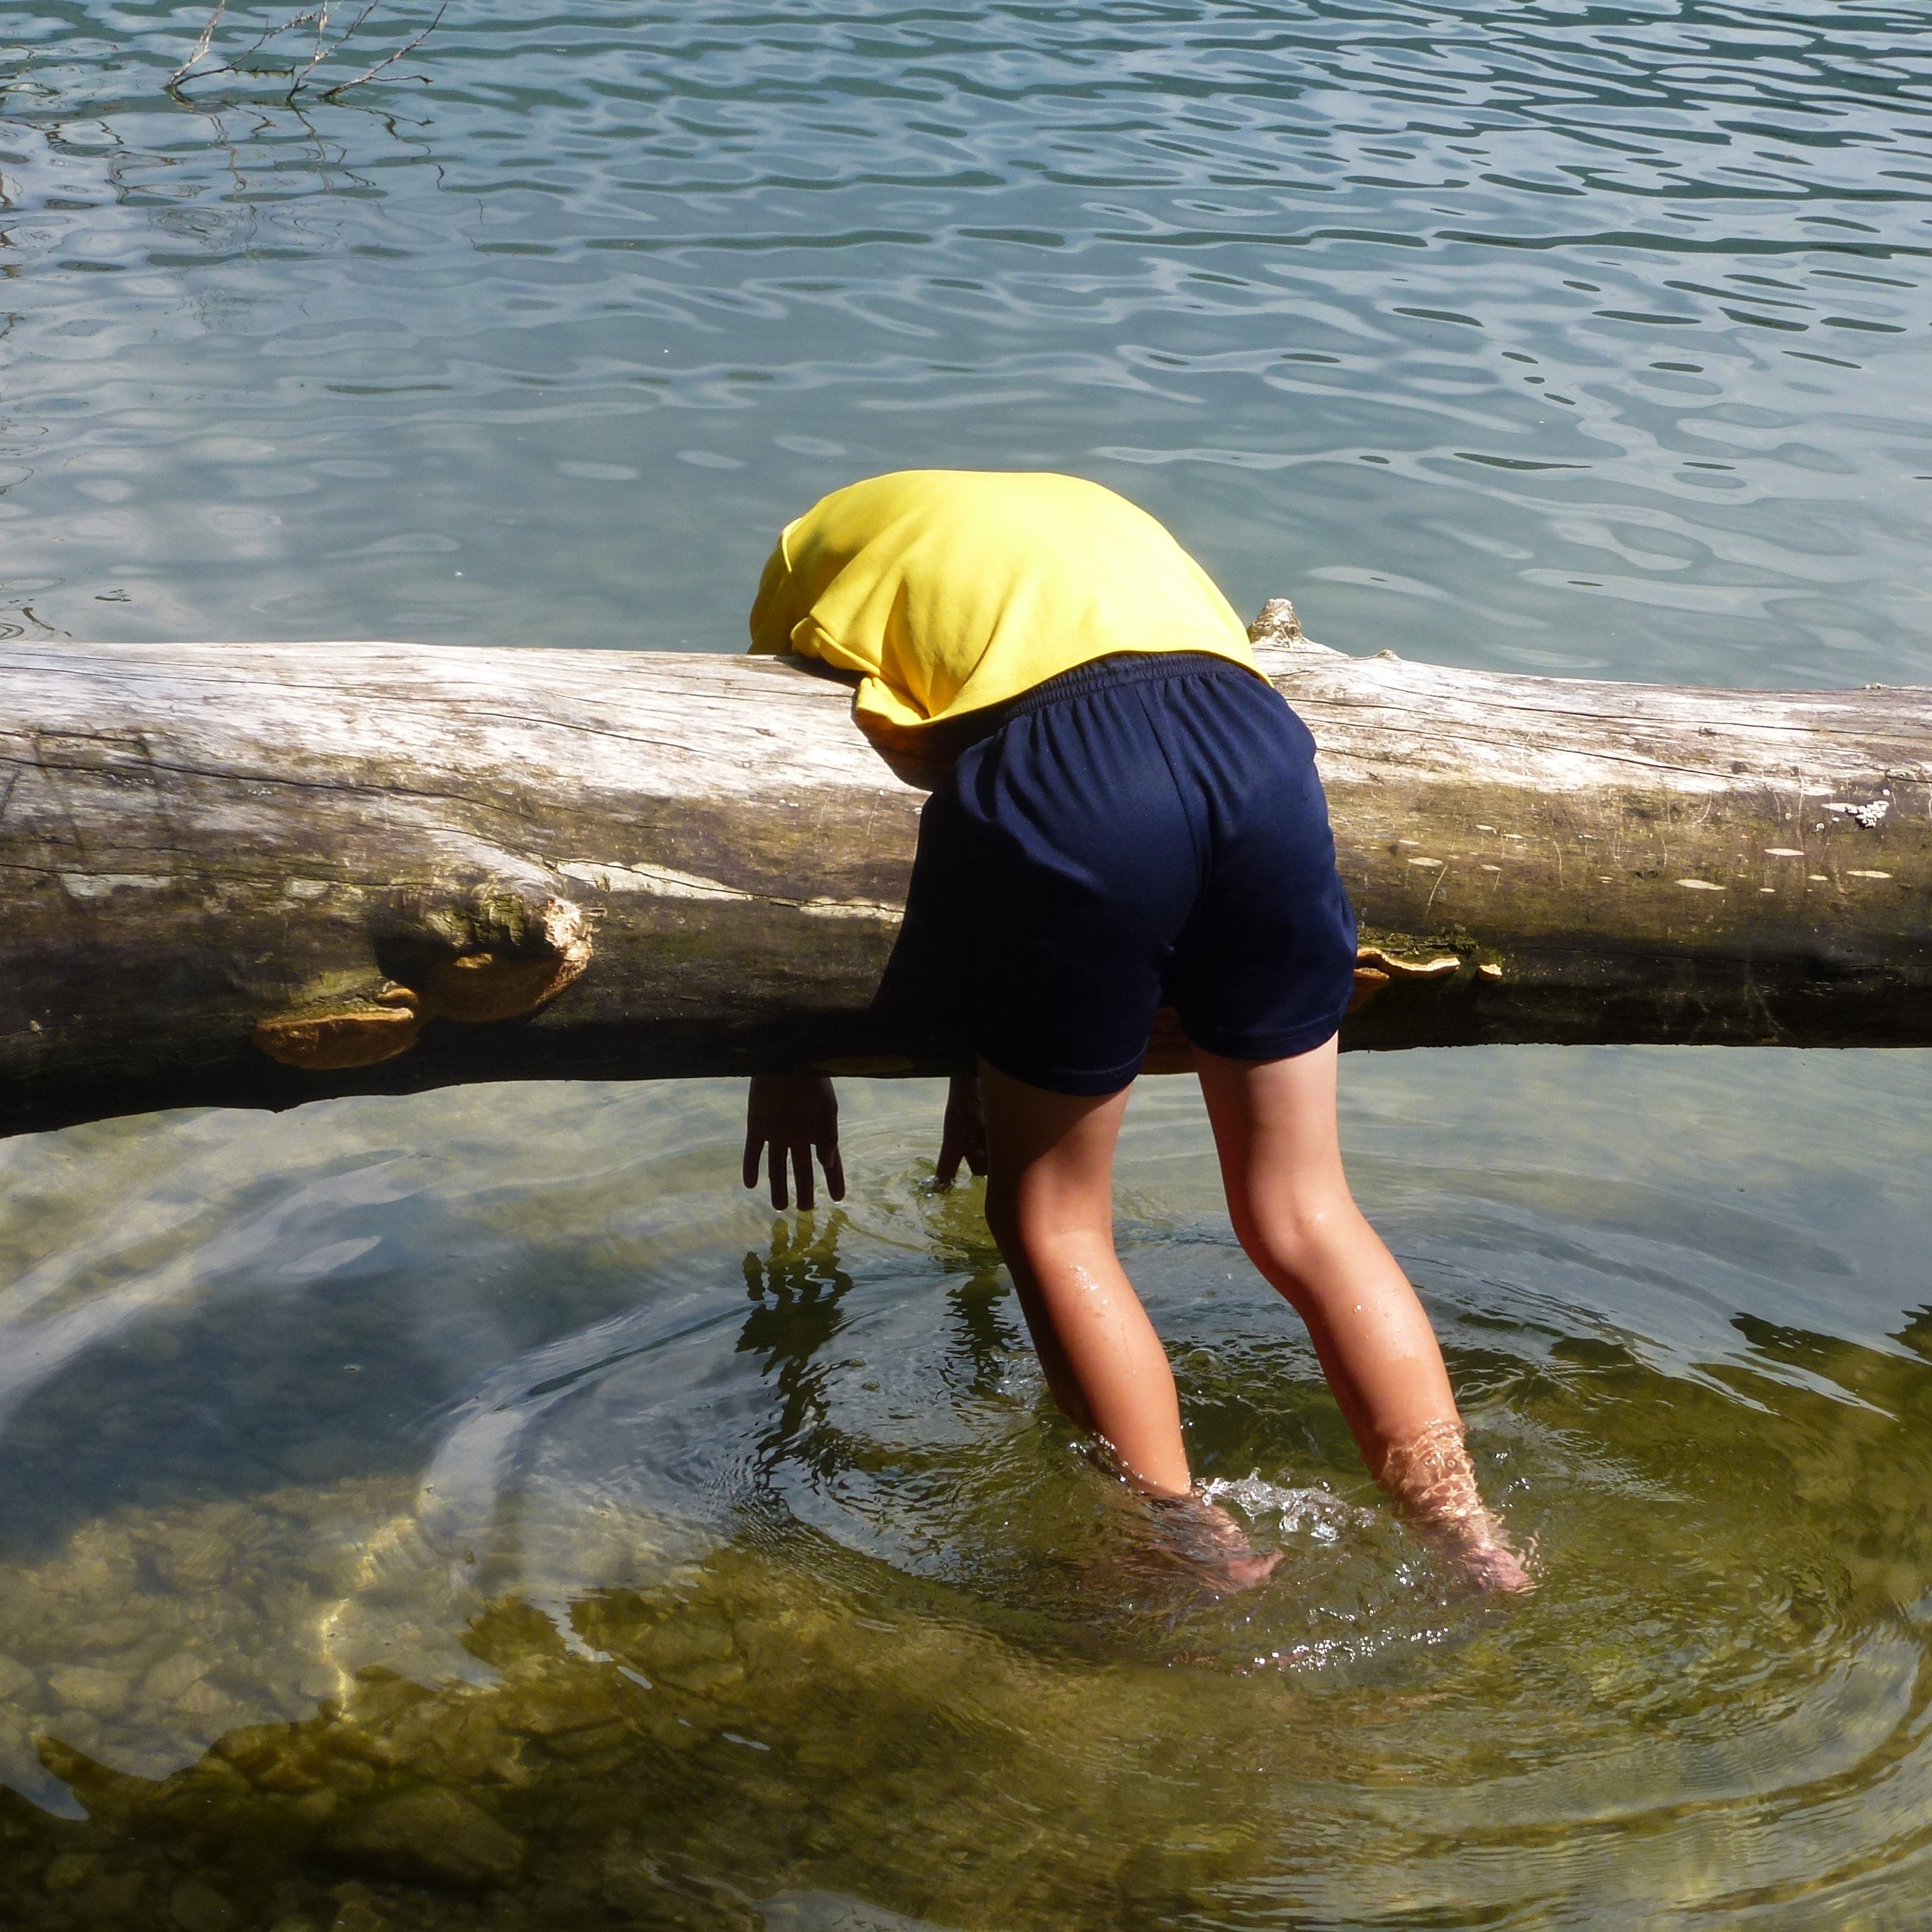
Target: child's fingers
(754, 1146)
(801, 1174)
(774, 1157)
(834, 1170)
(953, 1149)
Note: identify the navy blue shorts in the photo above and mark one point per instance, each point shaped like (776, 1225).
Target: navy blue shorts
(1145, 831)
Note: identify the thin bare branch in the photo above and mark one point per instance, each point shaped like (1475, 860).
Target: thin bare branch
(408, 47)
(288, 26)
(298, 73)
(341, 41)
(255, 46)
(321, 47)
(202, 46)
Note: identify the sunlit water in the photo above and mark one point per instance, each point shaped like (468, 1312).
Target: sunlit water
(474, 1510)
(747, 1552)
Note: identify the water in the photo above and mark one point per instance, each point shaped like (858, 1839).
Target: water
(472, 1510)
(1549, 338)
(493, 1446)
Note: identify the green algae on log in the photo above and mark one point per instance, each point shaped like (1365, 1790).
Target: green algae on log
(258, 874)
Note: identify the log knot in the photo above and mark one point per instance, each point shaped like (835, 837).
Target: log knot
(539, 956)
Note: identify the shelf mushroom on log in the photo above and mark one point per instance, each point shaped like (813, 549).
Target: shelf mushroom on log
(257, 875)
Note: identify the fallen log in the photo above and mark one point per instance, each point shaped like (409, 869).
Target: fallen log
(259, 874)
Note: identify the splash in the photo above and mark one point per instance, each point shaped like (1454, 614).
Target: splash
(1314, 1514)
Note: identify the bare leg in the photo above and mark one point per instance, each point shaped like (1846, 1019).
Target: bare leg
(1050, 1204)
(1281, 1162)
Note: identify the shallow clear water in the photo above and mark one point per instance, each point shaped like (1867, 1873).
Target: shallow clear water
(475, 1510)
(746, 1550)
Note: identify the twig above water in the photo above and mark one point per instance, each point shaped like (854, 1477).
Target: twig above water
(201, 46)
(408, 46)
(299, 76)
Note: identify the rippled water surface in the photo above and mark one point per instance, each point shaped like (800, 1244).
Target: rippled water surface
(488, 1451)
(1546, 337)
(474, 1510)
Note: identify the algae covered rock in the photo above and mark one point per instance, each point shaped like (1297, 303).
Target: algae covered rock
(432, 1834)
(196, 1905)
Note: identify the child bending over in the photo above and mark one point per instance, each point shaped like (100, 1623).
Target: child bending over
(1127, 816)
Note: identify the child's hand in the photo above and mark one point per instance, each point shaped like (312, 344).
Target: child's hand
(794, 1114)
(963, 1135)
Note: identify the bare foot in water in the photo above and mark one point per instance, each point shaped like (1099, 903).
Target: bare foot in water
(1212, 1544)
(1434, 1481)
(1486, 1562)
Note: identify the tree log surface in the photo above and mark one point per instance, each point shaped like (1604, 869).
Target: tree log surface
(258, 874)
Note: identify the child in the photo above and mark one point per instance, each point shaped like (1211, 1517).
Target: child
(1131, 818)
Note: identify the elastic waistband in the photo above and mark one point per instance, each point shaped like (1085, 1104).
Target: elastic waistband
(1124, 667)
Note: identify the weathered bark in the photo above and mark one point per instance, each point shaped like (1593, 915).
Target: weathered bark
(259, 874)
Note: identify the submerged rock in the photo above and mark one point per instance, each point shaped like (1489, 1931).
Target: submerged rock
(195, 1905)
(202, 1699)
(87, 1687)
(665, 1757)
(198, 1557)
(427, 1834)
(174, 1676)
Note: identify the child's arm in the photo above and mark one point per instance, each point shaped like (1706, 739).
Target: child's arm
(963, 1135)
(794, 1115)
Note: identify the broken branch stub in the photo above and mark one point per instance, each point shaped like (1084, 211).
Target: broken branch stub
(257, 875)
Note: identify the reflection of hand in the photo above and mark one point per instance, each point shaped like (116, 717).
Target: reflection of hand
(963, 1135)
(795, 1115)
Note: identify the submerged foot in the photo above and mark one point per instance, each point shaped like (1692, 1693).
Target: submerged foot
(1484, 1560)
(1434, 1481)
(1212, 1545)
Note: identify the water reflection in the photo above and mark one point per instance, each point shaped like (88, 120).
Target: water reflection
(796, 1287)
(691, 1559)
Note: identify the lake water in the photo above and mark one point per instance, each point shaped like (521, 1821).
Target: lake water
(474, 1510)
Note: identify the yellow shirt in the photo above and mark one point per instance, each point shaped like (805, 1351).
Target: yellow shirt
(948, 590)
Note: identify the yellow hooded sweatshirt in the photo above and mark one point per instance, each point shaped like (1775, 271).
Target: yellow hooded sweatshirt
(949, 590)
